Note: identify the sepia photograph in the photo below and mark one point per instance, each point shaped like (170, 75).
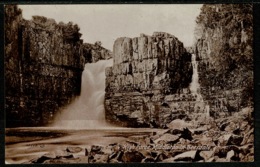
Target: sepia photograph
(129, 83)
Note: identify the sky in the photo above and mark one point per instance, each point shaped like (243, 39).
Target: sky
(106, 23)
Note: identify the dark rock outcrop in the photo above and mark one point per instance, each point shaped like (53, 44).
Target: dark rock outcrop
(225, 55)
(43, 66)
(149, 75)
(95, 52)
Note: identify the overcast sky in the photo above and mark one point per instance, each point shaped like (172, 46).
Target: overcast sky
(106, 23)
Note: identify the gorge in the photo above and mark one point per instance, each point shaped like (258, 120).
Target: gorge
(150, 99)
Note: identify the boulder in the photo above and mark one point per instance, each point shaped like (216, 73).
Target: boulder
(133, 156)
(230, 155)
(96, 149)
(167, 138)
(223, 140)
(207, 155)
(235, 140)
(178, 124)
(186, 156)
(74, 149)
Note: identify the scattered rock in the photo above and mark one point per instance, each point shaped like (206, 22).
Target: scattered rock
(186, 134)
(160, 157)
(133, 156)
(96, 149)
(99, 158)
(74, 149)
(174, 131)
(167, 138)
(168, 160)
(230, 155)
(210, 160)
(199, 131)
(248, 137)
(42, 159)
(148, 159)
(223, 140)
(178, 124)
(231, 127)
(186, 156)
(235, 140)
(206, 155)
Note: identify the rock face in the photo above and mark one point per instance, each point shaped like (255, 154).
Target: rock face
(225, 55)
(147, 81)
(95, 52)
(43, 66)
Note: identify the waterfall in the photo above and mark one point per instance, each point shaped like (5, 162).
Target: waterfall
(195, 86)
(87, 110)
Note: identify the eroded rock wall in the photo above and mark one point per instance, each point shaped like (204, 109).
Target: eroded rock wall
(145, 70)
(43, 66)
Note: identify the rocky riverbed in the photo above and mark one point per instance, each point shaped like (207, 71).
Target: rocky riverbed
(203, 140)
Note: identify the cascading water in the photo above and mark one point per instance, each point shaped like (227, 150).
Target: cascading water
(87, 111)
(195, 86)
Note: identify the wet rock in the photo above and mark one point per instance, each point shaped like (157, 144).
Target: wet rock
(133, 156)
(74, 149)
(167, 138)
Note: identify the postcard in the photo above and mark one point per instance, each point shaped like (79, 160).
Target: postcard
(129, 83)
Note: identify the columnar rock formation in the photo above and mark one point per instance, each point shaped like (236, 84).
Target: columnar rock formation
(225, 55)
(147, 72)
(43, 65)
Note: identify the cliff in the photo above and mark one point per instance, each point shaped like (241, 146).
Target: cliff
(95, 52)
(225, 55)
(43, 66)
(147, 73)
